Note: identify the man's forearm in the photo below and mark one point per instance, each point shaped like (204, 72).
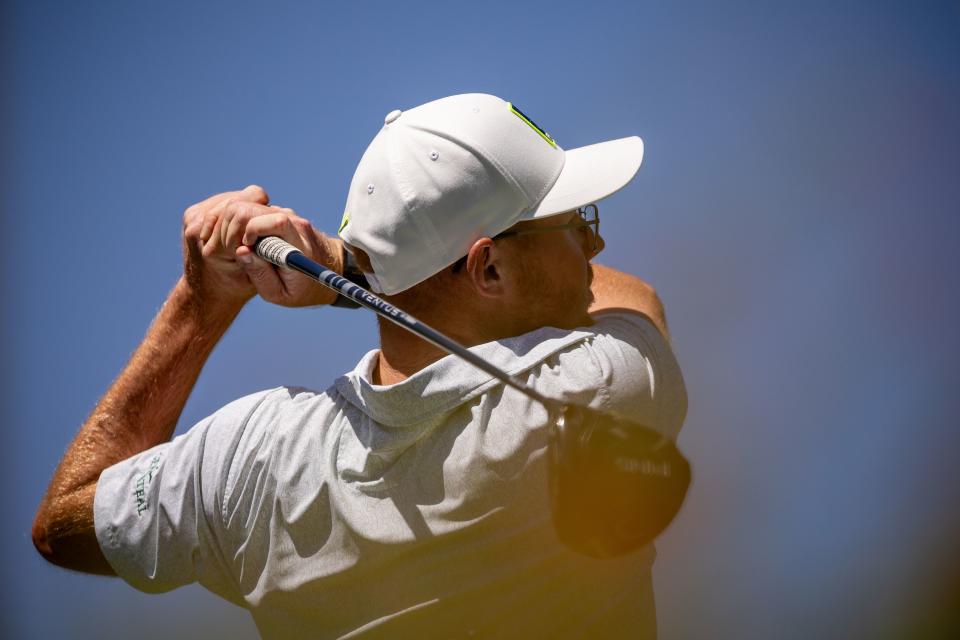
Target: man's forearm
(139, 411)
(614, 289)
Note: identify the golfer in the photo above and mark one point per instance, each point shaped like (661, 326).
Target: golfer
(409, 498)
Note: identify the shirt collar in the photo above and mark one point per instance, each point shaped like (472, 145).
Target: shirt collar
(447, 383)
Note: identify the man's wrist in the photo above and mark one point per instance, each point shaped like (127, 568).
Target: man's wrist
(203, 306)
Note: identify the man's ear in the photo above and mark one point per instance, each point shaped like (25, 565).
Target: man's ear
(484, 268)
(363, 260)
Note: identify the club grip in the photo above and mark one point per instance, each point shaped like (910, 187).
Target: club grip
(274, 250)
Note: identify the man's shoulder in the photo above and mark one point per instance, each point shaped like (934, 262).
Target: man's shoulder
(622, 363)
(280, 411)
(610, 326)
(626, 321)
(266, 424)
(283, 398)
(611, 331)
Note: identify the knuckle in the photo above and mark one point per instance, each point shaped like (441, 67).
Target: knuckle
(243, 213)
(237, 210)
(190, 213)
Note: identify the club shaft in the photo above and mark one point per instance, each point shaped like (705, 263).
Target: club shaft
(288, 256)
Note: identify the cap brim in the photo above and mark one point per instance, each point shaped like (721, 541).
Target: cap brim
(590, 174)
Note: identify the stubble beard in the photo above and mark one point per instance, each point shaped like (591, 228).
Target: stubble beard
(556, 304)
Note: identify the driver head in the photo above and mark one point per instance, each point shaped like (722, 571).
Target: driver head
(615, 484)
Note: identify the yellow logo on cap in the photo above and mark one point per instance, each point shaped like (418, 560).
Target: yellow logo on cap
(533, 125)
(344, 222)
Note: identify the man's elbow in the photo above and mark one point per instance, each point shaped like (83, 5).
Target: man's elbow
(69, 540)
(41, 540)
(50, 540)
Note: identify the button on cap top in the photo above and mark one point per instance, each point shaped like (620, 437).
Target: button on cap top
(393, 115)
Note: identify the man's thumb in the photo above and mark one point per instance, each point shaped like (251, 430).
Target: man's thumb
(262, 274)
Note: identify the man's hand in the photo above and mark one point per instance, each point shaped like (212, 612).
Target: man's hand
(230, 227)
(211, 272)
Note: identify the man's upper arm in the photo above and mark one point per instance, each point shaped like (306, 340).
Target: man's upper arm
(632, 367)
(615, 290)
(157, 515)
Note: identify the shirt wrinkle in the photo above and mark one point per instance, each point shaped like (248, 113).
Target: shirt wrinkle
(447, 383)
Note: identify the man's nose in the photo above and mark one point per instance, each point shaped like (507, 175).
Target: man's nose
(597, 245)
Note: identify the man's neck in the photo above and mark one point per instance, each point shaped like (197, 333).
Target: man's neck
(402, 353)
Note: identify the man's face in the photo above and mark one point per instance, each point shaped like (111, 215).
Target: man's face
(556, 275)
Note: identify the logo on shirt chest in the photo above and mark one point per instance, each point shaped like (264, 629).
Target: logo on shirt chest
(143, 481)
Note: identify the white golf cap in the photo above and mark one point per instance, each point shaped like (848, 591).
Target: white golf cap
(438, 177)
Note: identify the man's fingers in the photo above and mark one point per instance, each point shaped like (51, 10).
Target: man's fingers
(283, 286)
(215, 219)
(239, 215)
(206, 228)
(226, 223)
(273, 224)
(235, 233)
(201, 210)
(255, 193)
(262, 274)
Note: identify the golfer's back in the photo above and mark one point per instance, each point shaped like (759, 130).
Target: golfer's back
(412, 510)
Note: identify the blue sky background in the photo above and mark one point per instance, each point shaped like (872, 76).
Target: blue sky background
(797, 210)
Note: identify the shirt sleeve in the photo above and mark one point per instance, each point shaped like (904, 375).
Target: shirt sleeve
(633, 370)
(158, 514)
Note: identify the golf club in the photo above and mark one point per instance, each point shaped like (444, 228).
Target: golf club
(614, 484)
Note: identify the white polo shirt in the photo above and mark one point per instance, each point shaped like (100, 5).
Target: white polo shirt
(413, 510)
